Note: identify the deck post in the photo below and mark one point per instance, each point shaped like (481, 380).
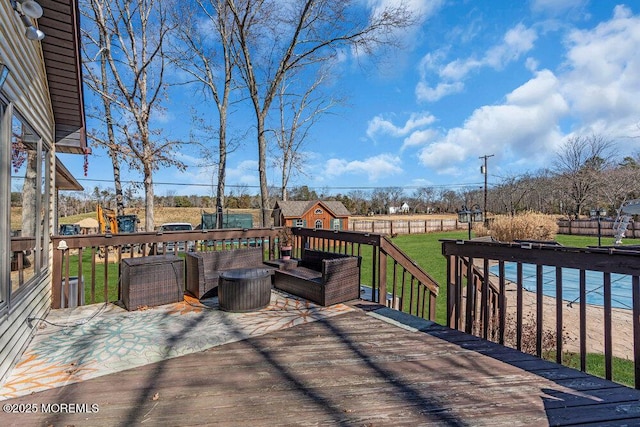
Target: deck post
(56, 277)
(382, 289)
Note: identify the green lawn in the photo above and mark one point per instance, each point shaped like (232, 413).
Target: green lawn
(112, 272)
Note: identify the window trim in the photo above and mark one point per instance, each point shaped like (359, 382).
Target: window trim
(6, 114)
(41, 252)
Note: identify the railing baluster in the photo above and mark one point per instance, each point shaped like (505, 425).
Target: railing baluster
(410, 294)
(402, 290)
(485, 300)
(608, 344)
(66, 294)
(93, 273)
(394, 284)
(519, 308)
(502, 303)
(452, 310)
(81, 298)
(471, 299)
(559, 322)
(105, 283)
(583, 320)
(635, 284)
(539, 309)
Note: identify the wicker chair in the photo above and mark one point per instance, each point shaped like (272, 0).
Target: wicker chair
(204, 268)
(325, 278)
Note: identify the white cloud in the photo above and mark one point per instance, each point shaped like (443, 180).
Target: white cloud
(556, 7)
(422, 10)
(419, 137)
(426, 93)
(593, 91)
(516, 42)
(374, 168)
(379, 125)
(525, 123)
(245, 172)
(602, 80)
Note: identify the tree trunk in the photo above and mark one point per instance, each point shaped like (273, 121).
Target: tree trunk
(222, 168)
(148, 200)
(262, 171)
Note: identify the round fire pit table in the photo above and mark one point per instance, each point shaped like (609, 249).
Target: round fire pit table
(244, 289)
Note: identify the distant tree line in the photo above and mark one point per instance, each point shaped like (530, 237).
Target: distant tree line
(584, 175)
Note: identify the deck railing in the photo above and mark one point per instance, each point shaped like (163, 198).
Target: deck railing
(103, 254)
(92, 262)
(485, 300)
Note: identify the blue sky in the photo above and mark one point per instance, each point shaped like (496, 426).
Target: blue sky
(512, 79)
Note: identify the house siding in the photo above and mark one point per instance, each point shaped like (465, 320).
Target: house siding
(26, 91)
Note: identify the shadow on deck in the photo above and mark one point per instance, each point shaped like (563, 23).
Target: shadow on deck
(361, 364)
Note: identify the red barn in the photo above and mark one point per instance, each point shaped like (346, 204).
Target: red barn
(330, 215)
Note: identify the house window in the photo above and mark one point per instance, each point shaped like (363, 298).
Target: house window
(335, 224)
(318, 211)
(298, 222)
(28, 164)
(318, 223)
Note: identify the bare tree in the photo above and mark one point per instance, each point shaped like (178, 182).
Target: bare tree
(396, 196)
(512, 194)
(275, 39)
(132, 37)
(424, 197)
(206, 56)
(579, 165)
(622, 182)
(380, 200)
(99, 81)
(297, 114)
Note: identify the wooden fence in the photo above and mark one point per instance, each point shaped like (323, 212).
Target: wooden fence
(582, 227)
(406, 226)
(589, 227)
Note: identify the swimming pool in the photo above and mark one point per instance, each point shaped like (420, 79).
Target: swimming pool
(621, 296)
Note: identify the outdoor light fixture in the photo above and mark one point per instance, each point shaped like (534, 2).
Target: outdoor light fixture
(31, 32)
(31, 8)
(477, 215)
(28, 10)
(4, 73)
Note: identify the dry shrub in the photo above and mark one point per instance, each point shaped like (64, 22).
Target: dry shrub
(529, 335)
(523, 226)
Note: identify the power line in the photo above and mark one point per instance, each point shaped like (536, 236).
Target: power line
(191, 184)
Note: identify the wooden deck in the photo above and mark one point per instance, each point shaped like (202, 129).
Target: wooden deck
(352, 369)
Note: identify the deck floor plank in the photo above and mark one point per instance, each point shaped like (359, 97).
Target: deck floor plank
(351, 369)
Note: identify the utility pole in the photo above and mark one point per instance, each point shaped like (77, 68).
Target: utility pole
(483, 170)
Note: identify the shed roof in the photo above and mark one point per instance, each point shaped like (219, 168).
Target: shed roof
(296, 209)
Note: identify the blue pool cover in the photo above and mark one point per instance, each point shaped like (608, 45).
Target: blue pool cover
(621, 296)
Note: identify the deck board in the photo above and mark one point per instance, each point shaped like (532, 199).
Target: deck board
(351, 369)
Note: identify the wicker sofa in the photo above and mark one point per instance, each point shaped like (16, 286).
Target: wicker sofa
(325, 278)
(203, 268)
